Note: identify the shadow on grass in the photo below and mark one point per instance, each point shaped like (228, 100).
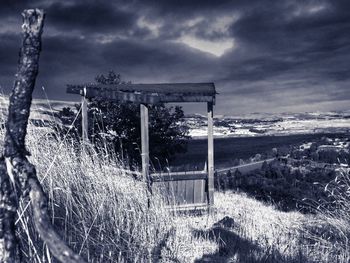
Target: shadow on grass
(233, 248)
(157, 250)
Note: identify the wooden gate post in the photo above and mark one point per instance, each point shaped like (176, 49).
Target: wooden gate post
(145, 151)
(144, 141)
(84, 118)
(210, 155)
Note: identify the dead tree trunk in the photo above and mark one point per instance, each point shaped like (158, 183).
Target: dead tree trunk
(8, 208)
(17, 174)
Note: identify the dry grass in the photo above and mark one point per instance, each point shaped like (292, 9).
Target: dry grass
(330, 230)
(102, 214)
(100, 211)
(261, 233)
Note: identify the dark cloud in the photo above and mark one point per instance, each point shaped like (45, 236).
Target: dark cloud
(280, 55)
(90, 17)
(182, 8)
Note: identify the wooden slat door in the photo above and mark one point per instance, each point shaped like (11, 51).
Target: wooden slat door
(182, 189)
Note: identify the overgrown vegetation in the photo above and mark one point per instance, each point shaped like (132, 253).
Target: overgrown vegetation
(334, 231)
(296, 180)
(102, 213)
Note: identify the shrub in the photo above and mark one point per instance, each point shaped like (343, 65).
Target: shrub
(116, 126)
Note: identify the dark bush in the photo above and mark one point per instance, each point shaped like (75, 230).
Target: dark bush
(116, 126)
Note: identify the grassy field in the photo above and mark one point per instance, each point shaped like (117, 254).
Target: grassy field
(260, 233)
(102, 213)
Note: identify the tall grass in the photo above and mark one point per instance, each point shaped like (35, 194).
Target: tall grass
(103, 214)
(329, 232)
(100, 211)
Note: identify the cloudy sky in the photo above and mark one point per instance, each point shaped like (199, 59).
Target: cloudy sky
(263, 56)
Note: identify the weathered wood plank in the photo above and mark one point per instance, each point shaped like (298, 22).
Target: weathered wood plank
(171, 193)
(189, 207)
(168, 192)
(144, 141)
(141, 95)
(178, 177)
(182, 192)
(84, 119)
(198, 192)
(176, 192)
(180, 173)
(206, 88)
(189, 197)
(210, 155)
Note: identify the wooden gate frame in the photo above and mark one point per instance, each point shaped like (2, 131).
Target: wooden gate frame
(145, 94)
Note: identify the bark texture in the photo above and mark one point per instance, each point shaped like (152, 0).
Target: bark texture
(8, 208)
(17, 175)
(21, 96)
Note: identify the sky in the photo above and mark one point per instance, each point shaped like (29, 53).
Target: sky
(263, 56)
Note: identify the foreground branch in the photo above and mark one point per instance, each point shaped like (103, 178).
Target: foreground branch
(8, 207)
(24, 169)
(18, 175)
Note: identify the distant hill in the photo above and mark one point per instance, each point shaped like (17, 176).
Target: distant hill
(258, 124)
(247, 125)
(42, 111)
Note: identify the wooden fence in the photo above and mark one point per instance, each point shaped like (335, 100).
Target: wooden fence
(183, 190)
(188, 190)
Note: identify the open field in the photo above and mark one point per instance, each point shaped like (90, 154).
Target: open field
(231, 148)
(257, 124)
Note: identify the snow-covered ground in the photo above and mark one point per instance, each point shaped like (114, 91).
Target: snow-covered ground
(272, 124)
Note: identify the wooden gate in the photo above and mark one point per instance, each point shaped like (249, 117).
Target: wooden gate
(182, 190)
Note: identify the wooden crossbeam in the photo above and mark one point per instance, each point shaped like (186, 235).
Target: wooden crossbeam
(137, 93)
(184, 176)
(115, 95)
(188, 207)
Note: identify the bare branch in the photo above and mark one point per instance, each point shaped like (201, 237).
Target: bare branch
(24, 169)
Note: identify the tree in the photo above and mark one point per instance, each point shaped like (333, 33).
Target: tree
(117, 125)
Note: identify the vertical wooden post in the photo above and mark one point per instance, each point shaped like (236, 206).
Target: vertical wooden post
(84, 118)
(144, 141)
(145, 151)
(210, 155)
